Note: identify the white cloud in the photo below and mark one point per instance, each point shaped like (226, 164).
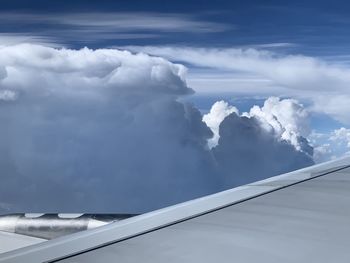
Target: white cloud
(287, 119)
(267, 140)
(292, 71)
(248, 149)
(87, 69)
(342, 136)
(120, 21)
(324, 83)
(330, 145)
(335, 104)
(217, 114)
(323, 153)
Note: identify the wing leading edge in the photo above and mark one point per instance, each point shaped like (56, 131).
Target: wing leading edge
(289, 218)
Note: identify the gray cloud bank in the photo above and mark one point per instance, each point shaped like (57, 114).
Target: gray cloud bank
(103, 131)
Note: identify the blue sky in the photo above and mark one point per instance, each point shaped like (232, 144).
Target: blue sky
(270, 73)
(311, 27)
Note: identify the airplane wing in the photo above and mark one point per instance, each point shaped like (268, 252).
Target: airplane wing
(12, 241)
(302, 216)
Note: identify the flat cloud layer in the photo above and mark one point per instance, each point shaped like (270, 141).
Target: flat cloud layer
(103, 131)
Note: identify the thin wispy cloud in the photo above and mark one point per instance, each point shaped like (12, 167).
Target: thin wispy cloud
(16, 38)
(142, 21)
(92, 27)
(272, 45)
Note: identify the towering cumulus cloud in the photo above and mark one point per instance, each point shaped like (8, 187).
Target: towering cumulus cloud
(98, 130)
(287, 119)
(103, 131)
(264, 142)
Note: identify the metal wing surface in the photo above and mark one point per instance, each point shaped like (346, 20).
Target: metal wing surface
(302, 216)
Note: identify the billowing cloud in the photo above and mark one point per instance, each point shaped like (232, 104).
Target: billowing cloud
(288, 119)
(103, 131)
(217, 114)
(98, 130)
(267, 140)
(248, 150)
